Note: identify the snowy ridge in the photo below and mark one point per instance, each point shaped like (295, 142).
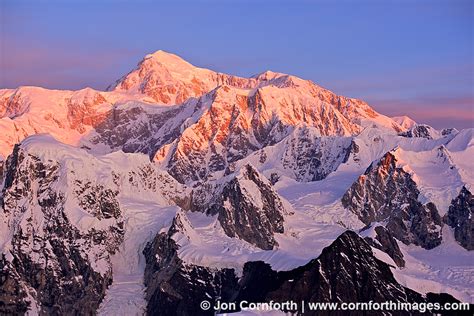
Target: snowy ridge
(404, 121)
(203, 242)
(303, 156)
(436, 174)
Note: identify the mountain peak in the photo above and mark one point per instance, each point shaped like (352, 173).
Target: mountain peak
(165, 77)
(404, 121)
(169, 60)
(268, 75)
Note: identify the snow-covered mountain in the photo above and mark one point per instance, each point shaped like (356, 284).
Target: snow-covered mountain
(223, 117)
(180, 184)
(63, 219)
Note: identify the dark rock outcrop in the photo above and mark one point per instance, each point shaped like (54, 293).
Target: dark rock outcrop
(247, 207)
(12, 293)
(346, 271)
(100, 201)
(177, 288)
(419, 130)
(449, 131)
(387, 193)
(2, 166)
(385, 242)
(460, 216)
(125, 128)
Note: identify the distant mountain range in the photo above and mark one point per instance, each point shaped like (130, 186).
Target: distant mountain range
(180, 184)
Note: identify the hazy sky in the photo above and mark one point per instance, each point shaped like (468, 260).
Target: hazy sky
(403, 57)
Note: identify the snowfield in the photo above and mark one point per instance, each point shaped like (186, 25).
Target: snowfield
(126, 295)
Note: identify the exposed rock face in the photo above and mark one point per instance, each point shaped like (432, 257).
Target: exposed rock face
(13, 293)
(136, 128)
(387, 193)
(385, 242)
(100, 201)
(419, 130)
(304, 155)
(247, 208)
(222, 134)
(13, 104)
(2, 166)
(449, 131)
(346, 271)
(461, 217)
(59, 267)
(82, 110)
(5, 96)
(230, 124)
(177, 288)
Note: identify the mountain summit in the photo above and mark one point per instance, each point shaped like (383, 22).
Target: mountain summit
(168, 79)
(270, 105)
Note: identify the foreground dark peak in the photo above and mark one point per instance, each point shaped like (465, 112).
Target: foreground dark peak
(346, 271)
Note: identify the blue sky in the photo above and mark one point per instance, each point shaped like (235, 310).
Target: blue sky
(403, 57)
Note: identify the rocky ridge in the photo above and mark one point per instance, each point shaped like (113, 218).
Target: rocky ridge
(385, 193)
(59, 267)
(346, 271)
(461, 218)
(247, 207)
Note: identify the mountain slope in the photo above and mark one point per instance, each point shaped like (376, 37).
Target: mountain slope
(62, 220)
(43, 247)
(168, 79)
